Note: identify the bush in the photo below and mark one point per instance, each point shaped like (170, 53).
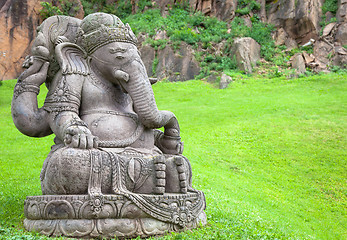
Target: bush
(49, 10)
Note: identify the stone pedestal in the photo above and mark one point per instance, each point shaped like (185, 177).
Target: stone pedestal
(117, 215)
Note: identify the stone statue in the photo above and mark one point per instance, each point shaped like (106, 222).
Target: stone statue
(110, 172)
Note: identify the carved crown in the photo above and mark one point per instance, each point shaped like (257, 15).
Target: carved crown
(99, 29)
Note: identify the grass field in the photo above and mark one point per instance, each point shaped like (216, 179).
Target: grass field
(269, 154)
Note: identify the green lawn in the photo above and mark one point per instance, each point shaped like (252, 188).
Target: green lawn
(269, 154)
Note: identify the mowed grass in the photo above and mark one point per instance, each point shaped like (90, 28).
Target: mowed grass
(269, 154)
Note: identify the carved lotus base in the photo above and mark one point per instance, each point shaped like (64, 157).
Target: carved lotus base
(74, 216)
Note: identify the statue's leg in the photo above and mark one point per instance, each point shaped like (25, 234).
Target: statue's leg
(67, 171)
(178, 174)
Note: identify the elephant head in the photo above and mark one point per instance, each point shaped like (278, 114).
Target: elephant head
(108, 49)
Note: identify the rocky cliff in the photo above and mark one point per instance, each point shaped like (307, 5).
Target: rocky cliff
(297, 22)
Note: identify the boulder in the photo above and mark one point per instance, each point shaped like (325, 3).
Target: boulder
(224, 81)
(341, 14)
(247, 53)
(323, 52)
(18, 22)
(309, 58)
(222, 9)
(328, 28)
(340, 58)
(299, 18)
(148, 56)
(177, 66)
(280, 37)
(298, 63)
(290, 43)
(341, 34)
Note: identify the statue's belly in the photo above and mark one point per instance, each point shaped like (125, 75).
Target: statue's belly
(111, 127)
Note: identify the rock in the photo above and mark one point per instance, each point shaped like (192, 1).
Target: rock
(247, 21)
(341, 14)
(148, 56)
(160, 35)
(299, 18)
(328, 28)
(224, 81)
(329, 16)
(298, 63)
(341, 34)
(179, 66)
(222, 9)
(247, 53)
(18, 20)
(280, 37)
(323, 52)
(212, 78)
(290, 43)
(308, 58)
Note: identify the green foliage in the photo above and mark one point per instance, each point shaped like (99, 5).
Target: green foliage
(121, 9)
(49, 10)
(330, 6)
(157, 44)
(246, 6)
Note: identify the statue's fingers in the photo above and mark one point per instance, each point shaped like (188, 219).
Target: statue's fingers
(83, 141)
(90, 141)
(95, 142)
(31, 70)
(44, 69)
(75, 142)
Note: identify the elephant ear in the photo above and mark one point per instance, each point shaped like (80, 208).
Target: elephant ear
(72, 59)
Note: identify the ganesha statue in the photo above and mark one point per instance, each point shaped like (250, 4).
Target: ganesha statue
(111, 172)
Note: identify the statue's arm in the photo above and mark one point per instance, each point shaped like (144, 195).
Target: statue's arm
(27, 117)
(63, 105)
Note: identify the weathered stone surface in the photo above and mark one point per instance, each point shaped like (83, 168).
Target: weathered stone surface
(341, 14)
(298, 63)
(290, 43)
(71, 216)
(323, 51)
(224, 81)
(280, 37)
(177, 66)
(308, 58)
(328, 28)
(341, 34)
(222, 9)
(247, 53)
(148, 56)
(18, 21)
(299, 18)
(111, 171)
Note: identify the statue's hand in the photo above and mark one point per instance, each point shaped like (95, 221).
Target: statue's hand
(80, 137)
(168, 144)
(36, 74)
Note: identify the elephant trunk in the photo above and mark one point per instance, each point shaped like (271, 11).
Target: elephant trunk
(140, 90)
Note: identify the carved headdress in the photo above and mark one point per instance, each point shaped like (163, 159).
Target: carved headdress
(99, 29)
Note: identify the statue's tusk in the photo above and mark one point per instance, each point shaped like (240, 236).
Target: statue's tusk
(120, 75)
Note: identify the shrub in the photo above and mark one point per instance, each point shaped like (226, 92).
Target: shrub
(49, 10)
